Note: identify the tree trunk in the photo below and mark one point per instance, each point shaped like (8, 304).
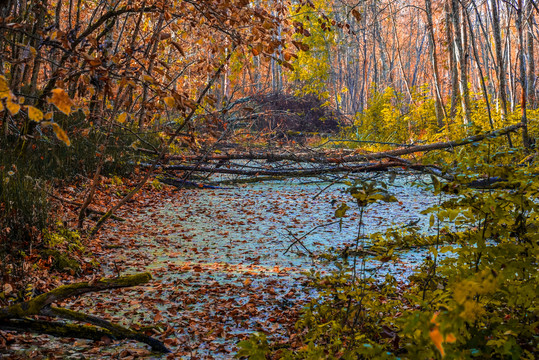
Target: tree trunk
(531, 53)
(462, 59)
(482, 78)
(523, 87)
(452, 61)
(500, 67)
(440, 109)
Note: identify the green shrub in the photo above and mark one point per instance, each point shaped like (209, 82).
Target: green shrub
(479, 302)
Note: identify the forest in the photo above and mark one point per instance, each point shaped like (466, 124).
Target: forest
(269, 179)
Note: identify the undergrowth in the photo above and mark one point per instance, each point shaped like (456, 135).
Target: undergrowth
(473, 297)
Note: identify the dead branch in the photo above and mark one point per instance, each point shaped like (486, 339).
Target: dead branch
(366, 167)
(321, 157)
(88, 209)
(14, 317)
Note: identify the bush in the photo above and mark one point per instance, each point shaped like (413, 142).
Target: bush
(297, 114)
(479, 302)
(24, 215)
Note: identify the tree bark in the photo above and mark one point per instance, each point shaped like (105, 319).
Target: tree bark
(500, 67)
(452, 60)
(523, 78)
(341, 158)
(440, 109)
(14, 317)
(462, 59)
(531, 53)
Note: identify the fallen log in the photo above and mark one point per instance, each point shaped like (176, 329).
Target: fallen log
(14, 317)
(367, 167)
(320, 157)
(436, 146)
(182, 184)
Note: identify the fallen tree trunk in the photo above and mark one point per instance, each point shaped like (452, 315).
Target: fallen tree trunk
(338, 158)
(368, 167)
(14, 317)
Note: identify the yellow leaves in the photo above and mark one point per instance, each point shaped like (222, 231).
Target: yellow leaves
(121, 118)
(61, 134)
(467, 291)
(58, 131)
(148, 78)
(13, 107)
(61, 100)
(4, 87)
(437, 337)
(35, 114)
(169, 100)
(341, 211)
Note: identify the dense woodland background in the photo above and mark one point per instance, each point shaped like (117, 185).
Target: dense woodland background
(96, 88)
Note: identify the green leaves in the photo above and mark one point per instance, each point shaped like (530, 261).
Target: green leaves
(341, 211)
(367, 193)
(255, 348)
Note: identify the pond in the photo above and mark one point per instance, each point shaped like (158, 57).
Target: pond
(227, 249)
(220, 261)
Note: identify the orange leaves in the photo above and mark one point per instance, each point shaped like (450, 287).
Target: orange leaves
(91, 60)
(121, 118)
(58, 131)
(257, 50)
(61, 100)
(34, 114)
(148, 79)
(12, 106)
(4, 87)
(169, 100)
(437, 337)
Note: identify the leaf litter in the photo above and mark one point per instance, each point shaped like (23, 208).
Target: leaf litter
(218, 261)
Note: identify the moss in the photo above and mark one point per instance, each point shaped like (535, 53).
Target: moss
(62, 262)
(34, 306)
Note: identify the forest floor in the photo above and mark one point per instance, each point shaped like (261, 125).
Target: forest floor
(217, 257)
